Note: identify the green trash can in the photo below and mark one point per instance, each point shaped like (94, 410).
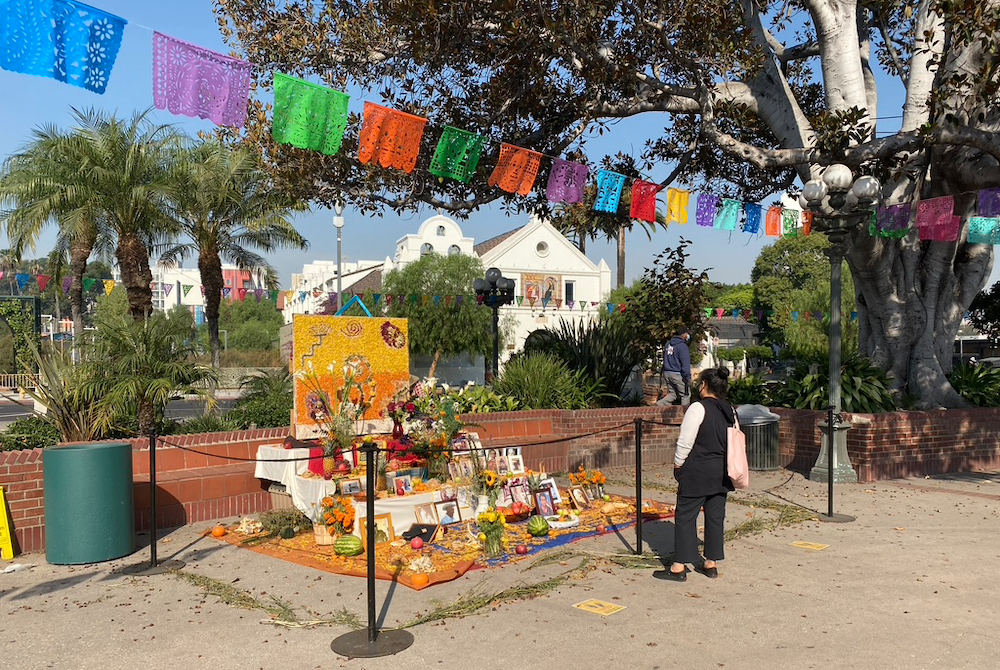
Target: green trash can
(89, 506)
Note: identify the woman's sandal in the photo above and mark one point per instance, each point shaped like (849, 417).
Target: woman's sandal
(671, 576)
(711, 572)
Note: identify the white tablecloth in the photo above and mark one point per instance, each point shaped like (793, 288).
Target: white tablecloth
(284, 471)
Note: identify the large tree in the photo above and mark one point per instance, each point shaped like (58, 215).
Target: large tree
(754, 95)
(226, 209)
(443, 321)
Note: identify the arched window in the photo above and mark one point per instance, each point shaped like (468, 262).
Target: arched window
(426, 248)
(453, 250)
(440, 231)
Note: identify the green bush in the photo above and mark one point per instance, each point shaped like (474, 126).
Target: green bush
(748, 390)
(480, 400)
(732, 355)
(604, 350)
(266, 401)
(542, 381)
(864, 387)
(206, 423)
(760, 353)
(34, 432)
(979, 384)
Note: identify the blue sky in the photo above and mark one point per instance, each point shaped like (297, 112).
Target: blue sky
(33, 101)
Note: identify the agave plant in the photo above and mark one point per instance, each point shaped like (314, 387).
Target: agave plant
(979, 384)
(865, 387)
(603, 350)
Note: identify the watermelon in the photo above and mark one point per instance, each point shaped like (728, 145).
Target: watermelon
(348, 545)
(538, 526)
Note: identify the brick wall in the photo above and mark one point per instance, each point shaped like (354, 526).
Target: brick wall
(190, 487)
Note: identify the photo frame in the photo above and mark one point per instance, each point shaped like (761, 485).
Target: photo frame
(350, 487)
(426, 514)
(474, 440)
(543, 504)
(448, 512)
(454, 471)
(383, 530)
(516, 463)
(465, 467)
(549, 483)
(402, 485)
(460, 444)
(579, 498)
(519, 490)
(447, 493)
(513, 451)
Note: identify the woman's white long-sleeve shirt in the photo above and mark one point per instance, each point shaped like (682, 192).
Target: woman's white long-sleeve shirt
(690, 426)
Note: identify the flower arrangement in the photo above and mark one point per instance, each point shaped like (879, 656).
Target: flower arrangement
(592, 479)
(339, 427)
(338, 514)
(400, 411)
(491, 484)
(492, 529)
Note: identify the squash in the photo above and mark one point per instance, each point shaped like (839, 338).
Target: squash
(419, 580)
(348, 545)
(218, 531)
(538, 526)
(287, 533)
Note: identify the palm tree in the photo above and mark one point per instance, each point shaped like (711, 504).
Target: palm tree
(41, 185)
(141, 364)
(581, 221)
(225, 206)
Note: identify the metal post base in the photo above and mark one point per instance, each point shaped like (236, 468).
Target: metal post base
(843, 473)
(145, 569)
(356, 645)
(837, 518)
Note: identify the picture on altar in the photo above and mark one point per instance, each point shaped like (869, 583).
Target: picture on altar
(426, 514)
(448, 512)
(383, 530)
(350, 486)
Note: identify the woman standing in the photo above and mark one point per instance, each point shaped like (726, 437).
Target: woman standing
(702, 481)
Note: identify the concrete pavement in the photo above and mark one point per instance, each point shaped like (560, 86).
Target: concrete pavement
(909, 584)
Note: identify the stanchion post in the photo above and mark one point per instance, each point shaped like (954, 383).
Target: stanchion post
(152, 501)
(829, 463)
(638, 486)
(372, 642)
(370, 466)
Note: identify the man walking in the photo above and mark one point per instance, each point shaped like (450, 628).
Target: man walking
(677, 370)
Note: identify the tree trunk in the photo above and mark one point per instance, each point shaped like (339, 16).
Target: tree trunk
(79, 252)
(434, 364)
(147, 418)
(133, 263)
(210, 268)
(621, 256)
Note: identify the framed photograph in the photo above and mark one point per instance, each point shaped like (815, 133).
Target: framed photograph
(474, 441)
(426, 514)
(505, 499)
(454, 471)
(553, 489)
(402, 485)
(448, 493)
(519, 490)
(448, 512)
(383, 530)
(578, 496)
(350, 486)
(502, 466)
(513, 451)
(460, 444)
(543, 504)
(465, 467)
(516, 463)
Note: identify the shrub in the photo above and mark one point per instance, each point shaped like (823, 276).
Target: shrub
(748, 390)
(206, 423)
(266, 402)
(864, 387)
(34, 432)
(542, 381)
(479, 399)
(604, 350)
(731, 355)
(979, 384)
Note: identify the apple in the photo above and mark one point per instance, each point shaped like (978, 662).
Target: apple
(416, 543)
(521, 549)
(607, 498)
(601, 530)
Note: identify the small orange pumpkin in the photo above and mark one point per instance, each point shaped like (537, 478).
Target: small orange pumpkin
(218, 531)
(420, 580)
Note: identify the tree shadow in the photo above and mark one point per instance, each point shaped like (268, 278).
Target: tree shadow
(51, 586)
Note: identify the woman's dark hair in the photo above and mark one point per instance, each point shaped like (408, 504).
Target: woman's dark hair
(716, 381)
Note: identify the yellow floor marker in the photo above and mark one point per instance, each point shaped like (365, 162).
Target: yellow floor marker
(6, 530)
(599, 607)
(812, 546)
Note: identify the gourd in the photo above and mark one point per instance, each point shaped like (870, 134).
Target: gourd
(348, 545)
(419, 580)
(287, 533)
(218, 531)
(538, 526)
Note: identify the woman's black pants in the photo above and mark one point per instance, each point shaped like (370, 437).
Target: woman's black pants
(686, 527)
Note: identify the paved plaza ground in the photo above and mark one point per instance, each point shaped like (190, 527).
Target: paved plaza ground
(910, 584)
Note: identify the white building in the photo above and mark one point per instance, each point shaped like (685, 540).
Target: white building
(310, 290)
(553, 279)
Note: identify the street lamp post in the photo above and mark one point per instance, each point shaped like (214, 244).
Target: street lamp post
(840, 204)
(338, 223)
(495, 291)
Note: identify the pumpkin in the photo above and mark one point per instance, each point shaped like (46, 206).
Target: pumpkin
(348, 545)
(218, 531)
(420, 580)
(538, 526)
